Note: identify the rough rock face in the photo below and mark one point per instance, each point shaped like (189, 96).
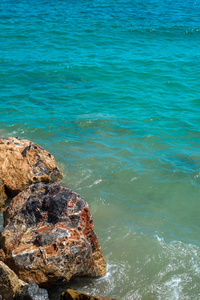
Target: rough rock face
(11, 287)
(9, 282)
(49, 237)
(3, 196)
(74, 295)
(31, 291)
(23, 163)
(2, 254)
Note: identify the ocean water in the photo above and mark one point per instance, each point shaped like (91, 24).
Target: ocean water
(112, 90)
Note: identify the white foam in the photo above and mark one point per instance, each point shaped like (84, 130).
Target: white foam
(160, 240)
(98, 181)
(174, 288)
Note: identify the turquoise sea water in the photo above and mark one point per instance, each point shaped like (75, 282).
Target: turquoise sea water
(112, 90)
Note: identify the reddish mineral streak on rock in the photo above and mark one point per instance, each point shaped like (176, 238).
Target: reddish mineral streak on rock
(49, 237)
(23, 163)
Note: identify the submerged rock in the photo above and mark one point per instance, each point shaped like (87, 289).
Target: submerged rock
(23, 163)
(48, 236)
(3, 196)
(74, 295)
(9, 282)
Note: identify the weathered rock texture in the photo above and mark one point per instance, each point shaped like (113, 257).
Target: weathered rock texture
(9, 282)
(11, 287)
(49, 237)
(2, 253)
(31, 291)
(23, 163)
(74, 295)
(3, 196)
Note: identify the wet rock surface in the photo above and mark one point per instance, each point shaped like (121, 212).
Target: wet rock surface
(3, 196)
(23, 163)
(74, 295)
(48, 236)
(31, 291)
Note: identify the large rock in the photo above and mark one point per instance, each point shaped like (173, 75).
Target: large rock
(49, 237)
(9, 282)
(74, 295)
(3, 196)
(23, 163)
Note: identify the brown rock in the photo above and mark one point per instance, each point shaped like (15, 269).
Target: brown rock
(9, 282)
(23, 163)
(74, 295)
(3, 196)
(49, 237)
(2, 255)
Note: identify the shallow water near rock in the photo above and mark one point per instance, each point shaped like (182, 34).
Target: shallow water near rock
(111, 89)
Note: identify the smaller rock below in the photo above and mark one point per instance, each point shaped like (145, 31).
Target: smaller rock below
(9, 282)
(74, 295)
(32, 291)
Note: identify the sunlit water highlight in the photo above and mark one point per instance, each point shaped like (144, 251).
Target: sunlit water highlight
(111, 89)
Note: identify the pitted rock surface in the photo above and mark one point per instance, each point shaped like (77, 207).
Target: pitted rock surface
(23, 163)
(2, 253)
(3, 195)
(49, 237)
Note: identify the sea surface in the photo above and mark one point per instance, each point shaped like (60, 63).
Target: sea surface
(111, 88)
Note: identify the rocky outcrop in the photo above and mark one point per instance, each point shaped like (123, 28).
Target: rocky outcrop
(9, 282)
(23, 163)
(48, 236)
(31, 291)
(74, 295)
(3, 196)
